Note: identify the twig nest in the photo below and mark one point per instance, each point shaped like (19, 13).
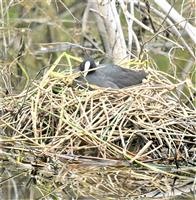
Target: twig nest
(102, 138)
(102, 122)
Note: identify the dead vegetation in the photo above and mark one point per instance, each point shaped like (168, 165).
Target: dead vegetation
(132, 142)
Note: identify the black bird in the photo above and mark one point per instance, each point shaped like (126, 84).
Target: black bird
(108, 75)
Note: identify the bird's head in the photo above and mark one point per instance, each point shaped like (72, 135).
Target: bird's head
(87, 66)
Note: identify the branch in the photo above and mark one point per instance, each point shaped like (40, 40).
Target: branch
(177, 18)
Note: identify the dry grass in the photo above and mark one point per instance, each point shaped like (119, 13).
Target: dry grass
(102, 142)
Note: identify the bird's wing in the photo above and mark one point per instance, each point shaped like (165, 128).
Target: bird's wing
(121, 76)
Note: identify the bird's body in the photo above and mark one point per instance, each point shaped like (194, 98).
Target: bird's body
(109, 75)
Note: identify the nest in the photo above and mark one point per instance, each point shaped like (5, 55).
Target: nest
(128, 142)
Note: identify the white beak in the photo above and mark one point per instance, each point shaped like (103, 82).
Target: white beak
(86, 67)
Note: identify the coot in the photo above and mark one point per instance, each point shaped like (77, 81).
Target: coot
(108, 75)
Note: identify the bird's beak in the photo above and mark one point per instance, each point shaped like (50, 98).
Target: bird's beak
(86, 68)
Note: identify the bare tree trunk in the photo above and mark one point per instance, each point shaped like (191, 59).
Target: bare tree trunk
(101, 28)
(108, 23)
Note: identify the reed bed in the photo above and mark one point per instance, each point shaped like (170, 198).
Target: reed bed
(95, 142)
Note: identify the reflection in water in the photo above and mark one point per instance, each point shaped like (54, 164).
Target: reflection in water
(17, 184)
